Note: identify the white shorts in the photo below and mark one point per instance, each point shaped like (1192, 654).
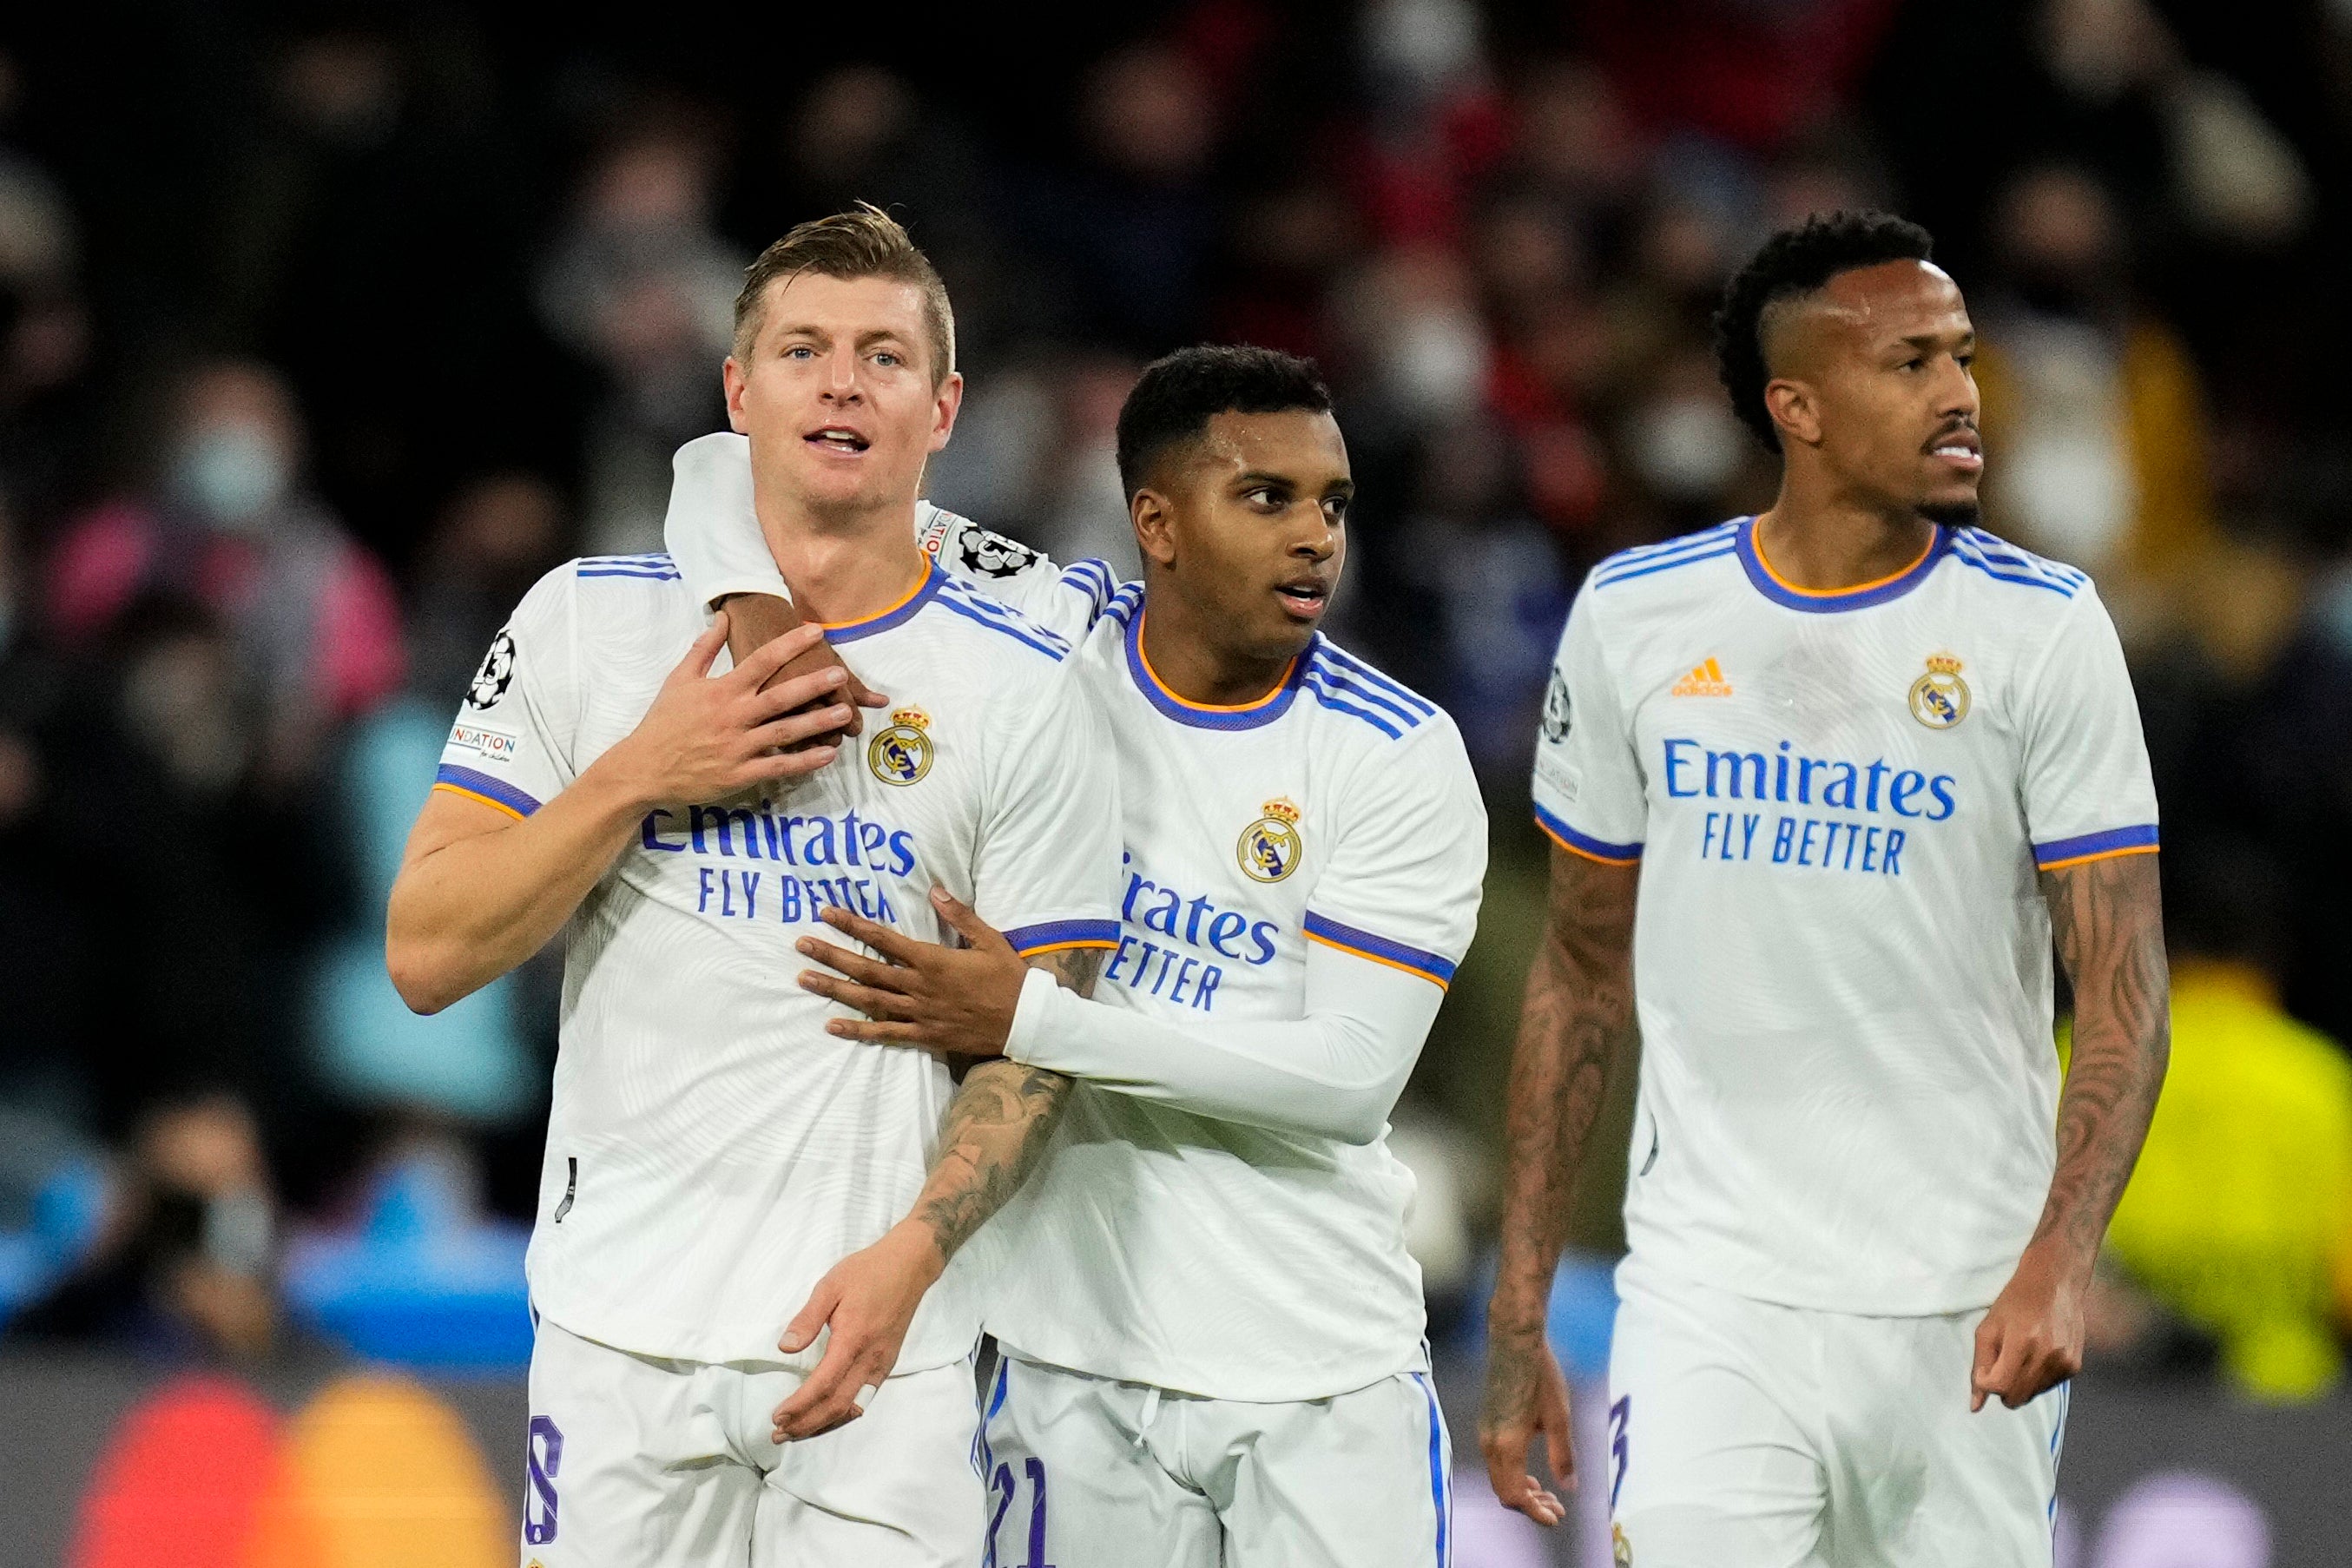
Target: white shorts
(1084, 1472)
(1741, 1432)
(641, 1462)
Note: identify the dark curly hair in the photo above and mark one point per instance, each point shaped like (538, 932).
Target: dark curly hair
(1177, 395)
(1794, 262)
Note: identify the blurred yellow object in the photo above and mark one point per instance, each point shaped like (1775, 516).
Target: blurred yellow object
(2140, 425)
(2239, 1217)
(2161, 432)
(377, 1473)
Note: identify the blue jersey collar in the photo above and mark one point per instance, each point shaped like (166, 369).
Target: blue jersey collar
(1823, 601)
(1203, 715)
(898, 614)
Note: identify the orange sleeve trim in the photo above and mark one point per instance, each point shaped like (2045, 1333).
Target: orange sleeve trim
(499, 805)
(1375, 958)
(2103, 855)
(1586, 854)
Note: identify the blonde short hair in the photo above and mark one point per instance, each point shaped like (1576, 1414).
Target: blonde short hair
(864, 242)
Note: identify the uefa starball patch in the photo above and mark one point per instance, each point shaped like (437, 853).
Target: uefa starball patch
(490, 681)
(1555, 719)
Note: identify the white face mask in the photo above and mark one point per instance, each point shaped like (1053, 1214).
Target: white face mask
(1435, 361)
(231, 475)
(1687, 447)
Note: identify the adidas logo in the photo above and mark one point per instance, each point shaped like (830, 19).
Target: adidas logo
(1703, 681)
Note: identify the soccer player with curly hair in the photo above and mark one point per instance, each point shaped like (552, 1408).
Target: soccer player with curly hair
(1823, 785)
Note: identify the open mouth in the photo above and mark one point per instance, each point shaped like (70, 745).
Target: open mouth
(1960, 449)
(836, 438)
(1302, 599)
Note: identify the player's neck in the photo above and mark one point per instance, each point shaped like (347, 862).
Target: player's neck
(1828, 541)
(1183, 658)
(842, 566)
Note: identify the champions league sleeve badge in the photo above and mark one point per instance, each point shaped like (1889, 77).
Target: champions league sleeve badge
(1555, 708)
(1939, 699)
(988, 554)
(1270, 846)
(490, 681)
(901, 754)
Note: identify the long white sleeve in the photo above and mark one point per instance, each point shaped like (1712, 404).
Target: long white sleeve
(1334, 1073)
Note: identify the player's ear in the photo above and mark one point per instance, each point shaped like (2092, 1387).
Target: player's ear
(946, 404)
(732, 381)
(1794, 410)
(1154, 520)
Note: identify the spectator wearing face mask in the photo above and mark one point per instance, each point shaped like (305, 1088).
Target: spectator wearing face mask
(2092, 405)
(312, 619)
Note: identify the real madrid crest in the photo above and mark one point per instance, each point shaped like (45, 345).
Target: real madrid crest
(1270, 846)
(1620, 1550)
(901, 754)
(1939, 699)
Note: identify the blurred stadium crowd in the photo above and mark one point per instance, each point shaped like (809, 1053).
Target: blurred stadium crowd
(325, 329)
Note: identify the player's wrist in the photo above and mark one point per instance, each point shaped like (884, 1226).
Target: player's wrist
(1521, 1304)
(2059, 1260)
(919, 1247)
(1516, 1324)
(623, 779)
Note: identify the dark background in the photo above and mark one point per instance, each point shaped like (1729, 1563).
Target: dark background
(324, 329)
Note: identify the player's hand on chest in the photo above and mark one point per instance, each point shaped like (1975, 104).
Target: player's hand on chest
(896, 808)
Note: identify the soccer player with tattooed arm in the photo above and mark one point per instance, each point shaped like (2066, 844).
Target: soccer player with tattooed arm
(754, 1332)
(1824, 786)
(1210, 1326)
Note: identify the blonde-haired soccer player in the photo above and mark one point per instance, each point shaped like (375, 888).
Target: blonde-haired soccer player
(715, 1161)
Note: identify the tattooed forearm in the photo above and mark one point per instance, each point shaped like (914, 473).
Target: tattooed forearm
(997, 1125)
(996, 1129)
(1577, 1019)
(2107, 919)
(1076, 968)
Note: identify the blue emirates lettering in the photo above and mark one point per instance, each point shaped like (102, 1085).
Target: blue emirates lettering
(1160, 922)
(1812, 843)
(837, 847)
(760, 834)
(728, 893)
(1797, 840)
(1694, 771)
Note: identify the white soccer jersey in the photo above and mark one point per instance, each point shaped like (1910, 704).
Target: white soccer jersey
(711, 1151)
(1325, 841)
(1335, 823)
(1842, 958)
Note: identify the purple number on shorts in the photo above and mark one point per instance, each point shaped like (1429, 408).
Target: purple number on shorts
(544, 1450)
(1620, 1420)
(1004, 1486)
(1000, 1482)
(1036, 1469)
